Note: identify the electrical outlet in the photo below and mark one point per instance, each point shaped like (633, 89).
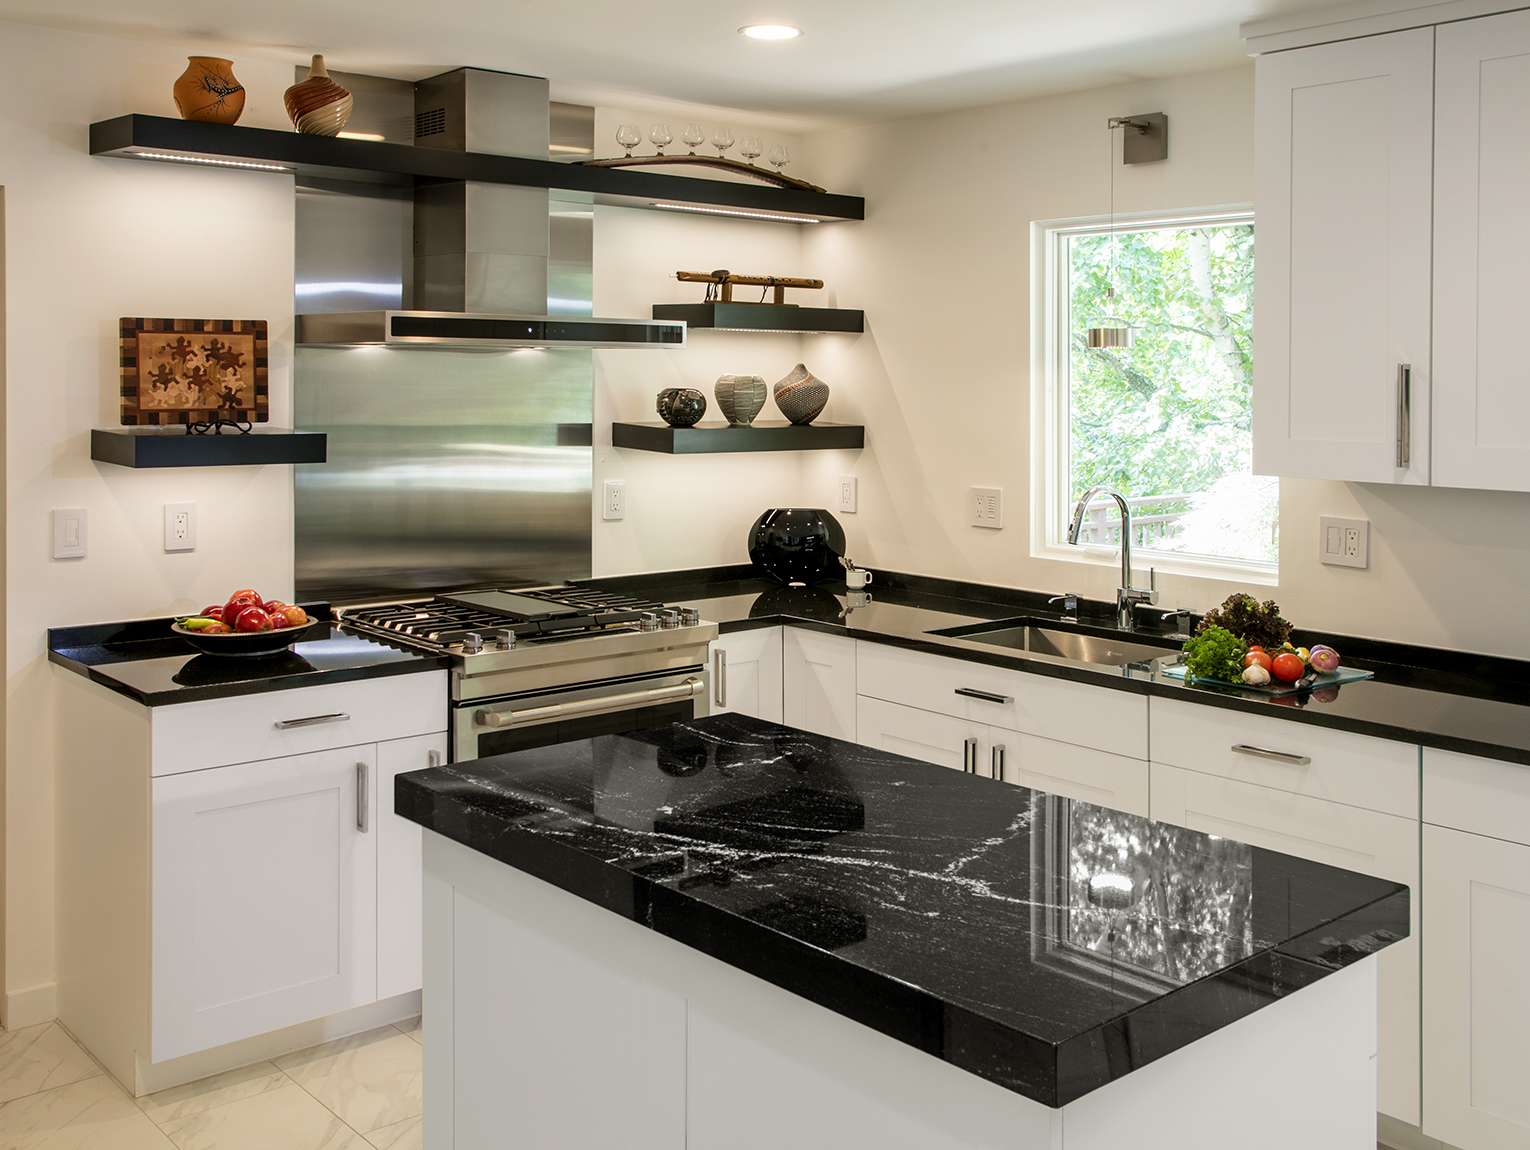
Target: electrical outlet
(847, 493)
(180, 527)
(985, 507)
(614, 503)
(69, 529)
(1344, 542)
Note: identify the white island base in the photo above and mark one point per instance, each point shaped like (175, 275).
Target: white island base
(554, 1024)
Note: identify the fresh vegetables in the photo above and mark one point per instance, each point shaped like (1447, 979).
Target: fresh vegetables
(1256, 674)
(1323, 659)
(1215, 653)
(1288, 667)
(1250, 620)
(1256, 656)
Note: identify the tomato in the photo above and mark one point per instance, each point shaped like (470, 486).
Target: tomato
(1255, 647)
(1287, 667)
(1257, 656)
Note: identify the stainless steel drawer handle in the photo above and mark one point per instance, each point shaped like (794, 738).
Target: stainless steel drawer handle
(688, 689)
(998, 761)
(1404, 414)
(969, 756)
(986, 696)
(311, 721)
(720, 677)
(363, 803)
(1266, 753)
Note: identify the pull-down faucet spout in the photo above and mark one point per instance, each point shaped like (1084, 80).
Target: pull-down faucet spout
(1126, 596)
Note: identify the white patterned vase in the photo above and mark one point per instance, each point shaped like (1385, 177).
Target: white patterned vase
(801, 395)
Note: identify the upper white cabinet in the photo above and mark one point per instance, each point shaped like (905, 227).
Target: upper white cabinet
(1481, 251)
(1343, 154)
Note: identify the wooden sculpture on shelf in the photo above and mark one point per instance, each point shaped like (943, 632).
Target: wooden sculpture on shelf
(779, 179)
(720, 286)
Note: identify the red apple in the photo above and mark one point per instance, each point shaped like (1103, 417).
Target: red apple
(213, 612)
(236, 604)
(251, 592)
(279, 621)
(217, 629)
(252, 619)
(295, 616)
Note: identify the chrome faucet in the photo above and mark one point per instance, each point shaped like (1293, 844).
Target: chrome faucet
(1127, 597)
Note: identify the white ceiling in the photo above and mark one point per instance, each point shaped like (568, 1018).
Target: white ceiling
(860, 61)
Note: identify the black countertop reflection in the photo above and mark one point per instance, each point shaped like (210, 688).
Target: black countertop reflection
(150, 664)
(948, 911)
(1457, 701)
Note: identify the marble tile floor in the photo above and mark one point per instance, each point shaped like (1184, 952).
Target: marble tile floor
(354, 1093)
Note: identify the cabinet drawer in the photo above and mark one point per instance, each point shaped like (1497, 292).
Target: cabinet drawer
(937, 739)
(1376, 774)
(1098, 717)
(1480, 796)
(1082, 773)
(216, 732)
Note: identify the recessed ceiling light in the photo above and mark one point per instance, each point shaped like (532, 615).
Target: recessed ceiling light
(771, 31)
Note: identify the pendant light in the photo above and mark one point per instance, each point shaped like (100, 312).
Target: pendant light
(1122, 337)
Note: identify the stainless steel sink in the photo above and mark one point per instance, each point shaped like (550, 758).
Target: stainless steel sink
(1021, 635)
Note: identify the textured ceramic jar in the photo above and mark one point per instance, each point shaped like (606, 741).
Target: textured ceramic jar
(680, 406)
(208, 91)
(318, 106)
(739, 398)
(801, 395)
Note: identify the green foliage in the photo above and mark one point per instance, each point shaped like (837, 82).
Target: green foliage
(1173, 414)
(1215, 653)
(1258, 624)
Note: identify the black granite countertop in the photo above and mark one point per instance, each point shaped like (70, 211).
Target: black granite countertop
(150, 664)
(1457, 701)
(948, 911)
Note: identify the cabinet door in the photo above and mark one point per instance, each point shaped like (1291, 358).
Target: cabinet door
(399, 866)
(1343, 168)
(265, 897)
(1366, 841)
(1481, 251)
(746, 673)
(1081, 773)
(939, 739)
(1476, 996)
(818, 682)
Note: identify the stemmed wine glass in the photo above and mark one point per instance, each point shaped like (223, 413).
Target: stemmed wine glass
(722, 140)
(693, 136)
(749, 147)
(660, 135)
(780, 157)
(629, 136)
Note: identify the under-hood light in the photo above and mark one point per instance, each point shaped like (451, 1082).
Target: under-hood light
(738, 212)
(205, 160)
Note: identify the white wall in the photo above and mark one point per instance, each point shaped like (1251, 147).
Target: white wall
(90, 240)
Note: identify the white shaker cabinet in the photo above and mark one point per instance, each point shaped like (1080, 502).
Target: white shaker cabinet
(939, 739)
(818, 682)
(1481, 251)
(399, 865)
(1343, 145)
(746, 673)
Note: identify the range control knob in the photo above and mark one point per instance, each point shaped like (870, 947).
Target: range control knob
(648, 621)
(506, 638)
(472, 643)
(689, 617)
(669, 618)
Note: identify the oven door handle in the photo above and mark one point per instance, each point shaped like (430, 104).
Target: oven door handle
(509, 718)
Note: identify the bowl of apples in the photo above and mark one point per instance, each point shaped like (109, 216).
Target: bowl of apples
(248, 626)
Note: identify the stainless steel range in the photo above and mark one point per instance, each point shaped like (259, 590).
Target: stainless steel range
(551, 664)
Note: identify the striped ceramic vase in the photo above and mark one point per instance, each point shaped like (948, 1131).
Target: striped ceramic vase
(801, 395)
(318, 106)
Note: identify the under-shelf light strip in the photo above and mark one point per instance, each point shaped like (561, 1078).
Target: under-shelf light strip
(747, 215)
(217, 163)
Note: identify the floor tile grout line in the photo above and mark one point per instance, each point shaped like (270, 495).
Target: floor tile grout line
(173, 1117)
(339, 1118)
(100, 1070)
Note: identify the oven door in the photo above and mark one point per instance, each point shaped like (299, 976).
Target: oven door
(514, 722)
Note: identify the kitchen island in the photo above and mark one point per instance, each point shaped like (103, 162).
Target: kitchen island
(729, 933)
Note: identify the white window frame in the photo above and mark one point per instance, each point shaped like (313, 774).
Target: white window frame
(1049, 403)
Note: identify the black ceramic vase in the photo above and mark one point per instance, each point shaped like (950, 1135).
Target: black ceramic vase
(797, 545)
(681, 406)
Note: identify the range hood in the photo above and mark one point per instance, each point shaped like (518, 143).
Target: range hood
(483, 330)
(481, 251)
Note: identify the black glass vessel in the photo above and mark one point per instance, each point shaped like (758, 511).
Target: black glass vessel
(797, 545)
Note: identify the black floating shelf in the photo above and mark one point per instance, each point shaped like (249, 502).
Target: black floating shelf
(172, 447)
(763, 317)
(710, 438)
(131, 136)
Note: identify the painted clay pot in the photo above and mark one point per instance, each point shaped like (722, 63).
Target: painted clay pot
(739, 398)
(797, 544)
(318, 106)
(681, 406)
(207, 91)
(801, 395)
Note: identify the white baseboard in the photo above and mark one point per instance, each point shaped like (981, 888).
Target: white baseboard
(30, 1006)
(1398, 1135)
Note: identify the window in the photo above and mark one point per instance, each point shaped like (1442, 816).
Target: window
(1167, 422)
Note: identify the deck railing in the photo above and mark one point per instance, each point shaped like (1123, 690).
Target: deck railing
(1155, 520)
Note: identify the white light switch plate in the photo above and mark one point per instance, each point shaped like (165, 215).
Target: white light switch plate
(1344, 542)
(614, 499)
(180, 527)
(985, 507)
(847, 487)
(69, 531)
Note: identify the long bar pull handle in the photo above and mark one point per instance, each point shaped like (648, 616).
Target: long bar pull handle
(692, 686)
(363, 803)
(1266, 753)
(969, 756)
(986, 696)
(1404, 414)
(432, 759)
(998, 761)
(311, 721)
(720, 677)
